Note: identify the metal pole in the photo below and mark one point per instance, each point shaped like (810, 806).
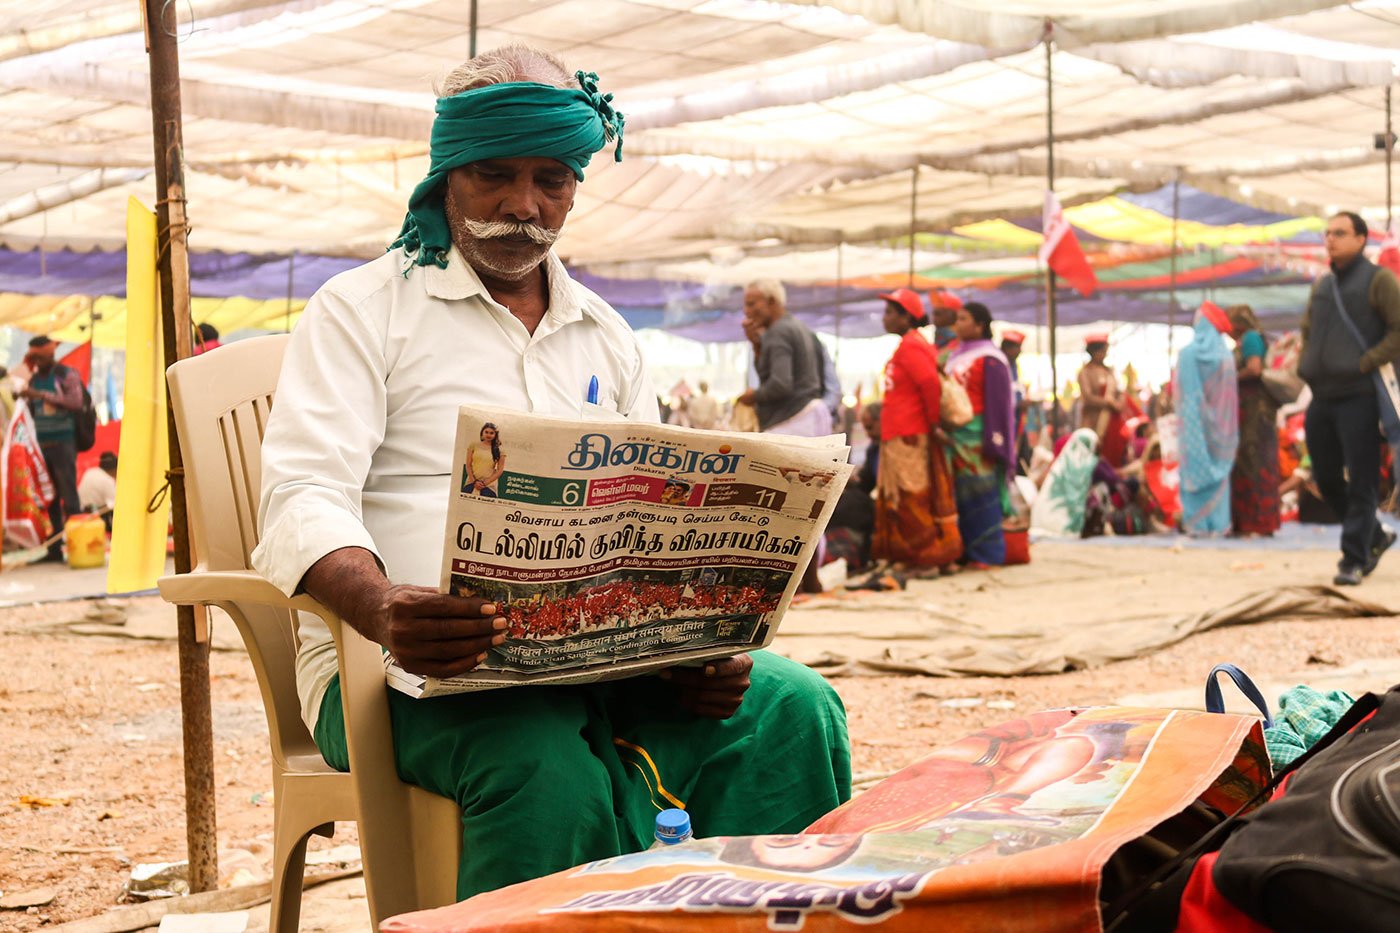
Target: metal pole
(913, 218)
(173, 269)
(1389, 150)
(1050, 310)
(471, 42)
(840, 296)
(287, 317)
(1171, 302)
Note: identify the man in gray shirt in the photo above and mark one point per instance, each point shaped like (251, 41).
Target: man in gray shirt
(789, 393)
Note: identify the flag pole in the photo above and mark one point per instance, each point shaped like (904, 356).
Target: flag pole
(1050, 310)
(173, 271)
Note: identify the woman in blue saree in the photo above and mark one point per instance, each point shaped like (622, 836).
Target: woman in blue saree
(1207, 400)
(984, 449)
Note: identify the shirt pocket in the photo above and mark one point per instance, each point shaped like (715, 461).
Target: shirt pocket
(604, 410)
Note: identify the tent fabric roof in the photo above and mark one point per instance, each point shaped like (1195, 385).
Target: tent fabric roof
(753, 126)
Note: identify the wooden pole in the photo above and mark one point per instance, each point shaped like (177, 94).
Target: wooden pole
(1050, 311)
(173, 271)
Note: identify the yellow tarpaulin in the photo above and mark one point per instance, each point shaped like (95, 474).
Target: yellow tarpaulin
(138, 535)
(67, 318)
(1116, 219)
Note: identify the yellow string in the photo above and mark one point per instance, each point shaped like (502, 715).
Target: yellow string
(670, 798)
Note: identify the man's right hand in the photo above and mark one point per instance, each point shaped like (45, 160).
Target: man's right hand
(433, 634)
(428, 632)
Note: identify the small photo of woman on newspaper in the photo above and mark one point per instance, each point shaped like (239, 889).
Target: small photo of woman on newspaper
(485, 463)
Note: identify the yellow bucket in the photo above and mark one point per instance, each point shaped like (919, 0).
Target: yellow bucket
(87, 541)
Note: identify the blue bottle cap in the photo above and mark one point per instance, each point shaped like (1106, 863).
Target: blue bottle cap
(672, 826)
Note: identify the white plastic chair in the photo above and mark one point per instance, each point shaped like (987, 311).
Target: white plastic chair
(410, 839)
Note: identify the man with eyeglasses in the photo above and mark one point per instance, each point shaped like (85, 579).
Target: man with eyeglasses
(1356, 303)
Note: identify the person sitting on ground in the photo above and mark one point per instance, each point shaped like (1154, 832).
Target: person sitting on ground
(357, 468)
(97, 490)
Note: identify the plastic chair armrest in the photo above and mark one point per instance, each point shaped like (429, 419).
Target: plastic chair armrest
(209, 587)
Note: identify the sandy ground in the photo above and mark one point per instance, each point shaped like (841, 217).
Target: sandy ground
(90, 722)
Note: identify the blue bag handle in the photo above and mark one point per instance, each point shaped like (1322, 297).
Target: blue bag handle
(1215, 702)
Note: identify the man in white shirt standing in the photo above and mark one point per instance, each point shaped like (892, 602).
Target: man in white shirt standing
(470, 305)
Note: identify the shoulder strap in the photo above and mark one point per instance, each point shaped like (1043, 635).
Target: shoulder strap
(1346, 316)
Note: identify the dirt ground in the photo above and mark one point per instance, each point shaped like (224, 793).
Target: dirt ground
(90, 729)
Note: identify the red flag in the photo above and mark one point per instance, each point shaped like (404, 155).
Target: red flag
(80, 358)
(1390, 250)
(1061, 251)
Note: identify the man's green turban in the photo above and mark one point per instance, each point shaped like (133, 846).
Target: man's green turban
(505, 121)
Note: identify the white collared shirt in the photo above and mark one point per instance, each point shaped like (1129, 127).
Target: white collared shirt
(358, 450)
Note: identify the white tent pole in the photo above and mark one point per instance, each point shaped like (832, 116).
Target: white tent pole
(75, 189)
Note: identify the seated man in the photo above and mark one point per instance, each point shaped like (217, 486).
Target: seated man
(471, 305)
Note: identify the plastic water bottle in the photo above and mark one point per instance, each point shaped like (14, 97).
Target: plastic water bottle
(672, 828)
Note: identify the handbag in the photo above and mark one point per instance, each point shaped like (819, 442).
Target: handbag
(1387, 386)
(954, 405)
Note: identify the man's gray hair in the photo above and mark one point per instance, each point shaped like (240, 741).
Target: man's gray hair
(514, 62)
(770, 288)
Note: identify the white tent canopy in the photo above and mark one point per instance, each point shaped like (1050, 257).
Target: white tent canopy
(306, 121)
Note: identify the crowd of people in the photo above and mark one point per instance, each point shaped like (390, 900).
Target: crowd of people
(961, 463)
(619, 602)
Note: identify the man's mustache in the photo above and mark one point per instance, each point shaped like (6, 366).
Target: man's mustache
(509, 230)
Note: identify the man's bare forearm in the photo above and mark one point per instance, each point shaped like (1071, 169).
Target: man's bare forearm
(350, 582)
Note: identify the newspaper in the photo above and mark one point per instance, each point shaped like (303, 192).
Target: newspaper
(614, 548)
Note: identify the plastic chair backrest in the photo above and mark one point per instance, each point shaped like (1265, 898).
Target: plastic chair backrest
(221, 400)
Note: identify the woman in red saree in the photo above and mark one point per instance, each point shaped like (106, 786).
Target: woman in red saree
(916, 516)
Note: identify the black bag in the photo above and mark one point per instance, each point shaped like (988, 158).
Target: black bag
(1323, 854)
(1326, 854)
(85, 418)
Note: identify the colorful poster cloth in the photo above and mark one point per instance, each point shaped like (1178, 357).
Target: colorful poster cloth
(1007, 829)
(28, 489)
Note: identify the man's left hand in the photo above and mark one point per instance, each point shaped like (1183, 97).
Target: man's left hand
(715, 690)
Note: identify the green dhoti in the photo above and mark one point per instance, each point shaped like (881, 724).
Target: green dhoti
(550, 777)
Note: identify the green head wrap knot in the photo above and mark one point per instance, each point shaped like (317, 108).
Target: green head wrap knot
(505, 121)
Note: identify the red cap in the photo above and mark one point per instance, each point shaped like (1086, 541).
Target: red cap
(1216, 315)
(1013, 336)
(909, 300)
(943, 299)
(1091, 339)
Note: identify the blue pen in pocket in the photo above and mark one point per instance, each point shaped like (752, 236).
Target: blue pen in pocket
(593, 390)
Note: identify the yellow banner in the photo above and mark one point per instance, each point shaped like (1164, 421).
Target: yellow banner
(138, 536)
